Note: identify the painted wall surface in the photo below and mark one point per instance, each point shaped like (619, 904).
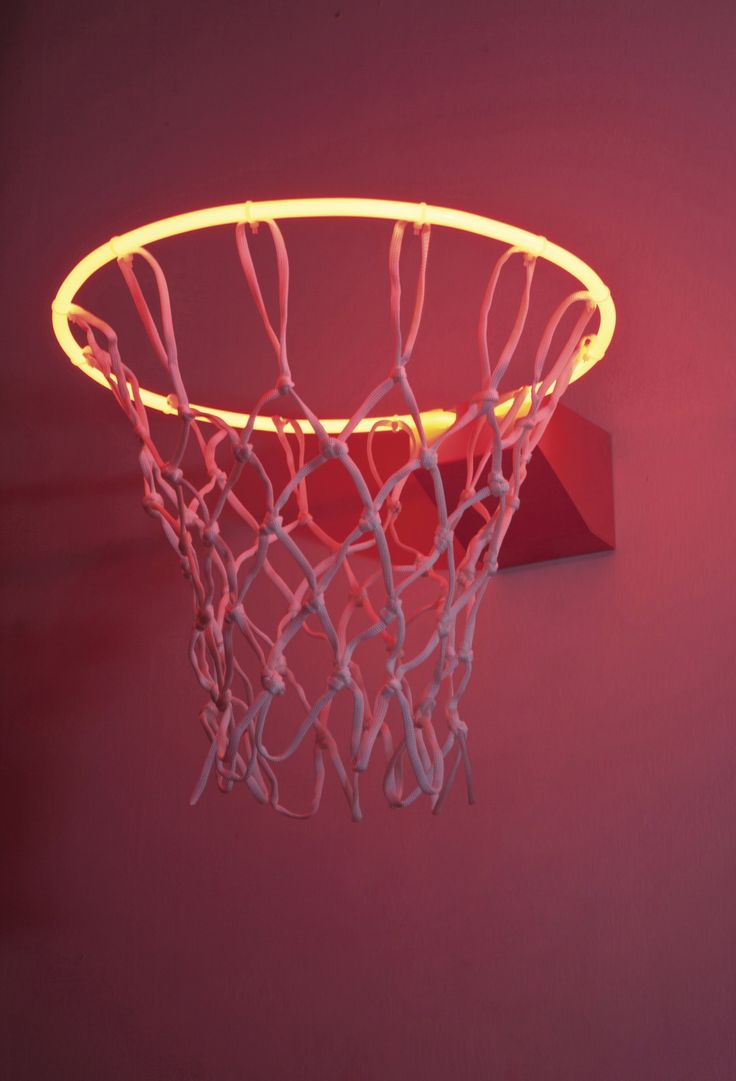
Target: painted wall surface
(579, 921)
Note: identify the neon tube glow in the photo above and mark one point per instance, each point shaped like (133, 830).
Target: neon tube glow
(435, 420)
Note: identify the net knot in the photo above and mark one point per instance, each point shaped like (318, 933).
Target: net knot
(391, 609)
(173, 475)
(315, 603)
(272, 680)
(515, 503)
(210, 534)
(428, 458)
(487, 401)
(455, 724)
(340, 678)
(235, 613)
(465, 656)
(369, 521)
(205, 615)
(527, 423)
(398, 372)
(334, 448)
(465, 577)
(498, 484)
(393, 506)
(444, 625)
(243, 453)
(393, 687)
(271, 523)
(224, 700)
(153, 504)
(442, 538)
(421, 564)
(284, 384)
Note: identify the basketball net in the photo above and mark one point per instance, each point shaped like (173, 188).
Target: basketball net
(409, 704)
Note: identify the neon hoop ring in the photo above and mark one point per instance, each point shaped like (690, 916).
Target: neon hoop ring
(593, 347)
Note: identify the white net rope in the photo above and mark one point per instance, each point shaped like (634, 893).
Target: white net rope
(408, 704)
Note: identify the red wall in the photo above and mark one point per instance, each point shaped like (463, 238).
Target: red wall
(578, 922)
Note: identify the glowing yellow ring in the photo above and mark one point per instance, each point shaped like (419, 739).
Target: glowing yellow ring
(435, 420)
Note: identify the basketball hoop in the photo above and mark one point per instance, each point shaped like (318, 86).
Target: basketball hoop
(420, 601)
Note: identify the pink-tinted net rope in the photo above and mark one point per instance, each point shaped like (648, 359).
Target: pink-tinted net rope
(412, 711)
